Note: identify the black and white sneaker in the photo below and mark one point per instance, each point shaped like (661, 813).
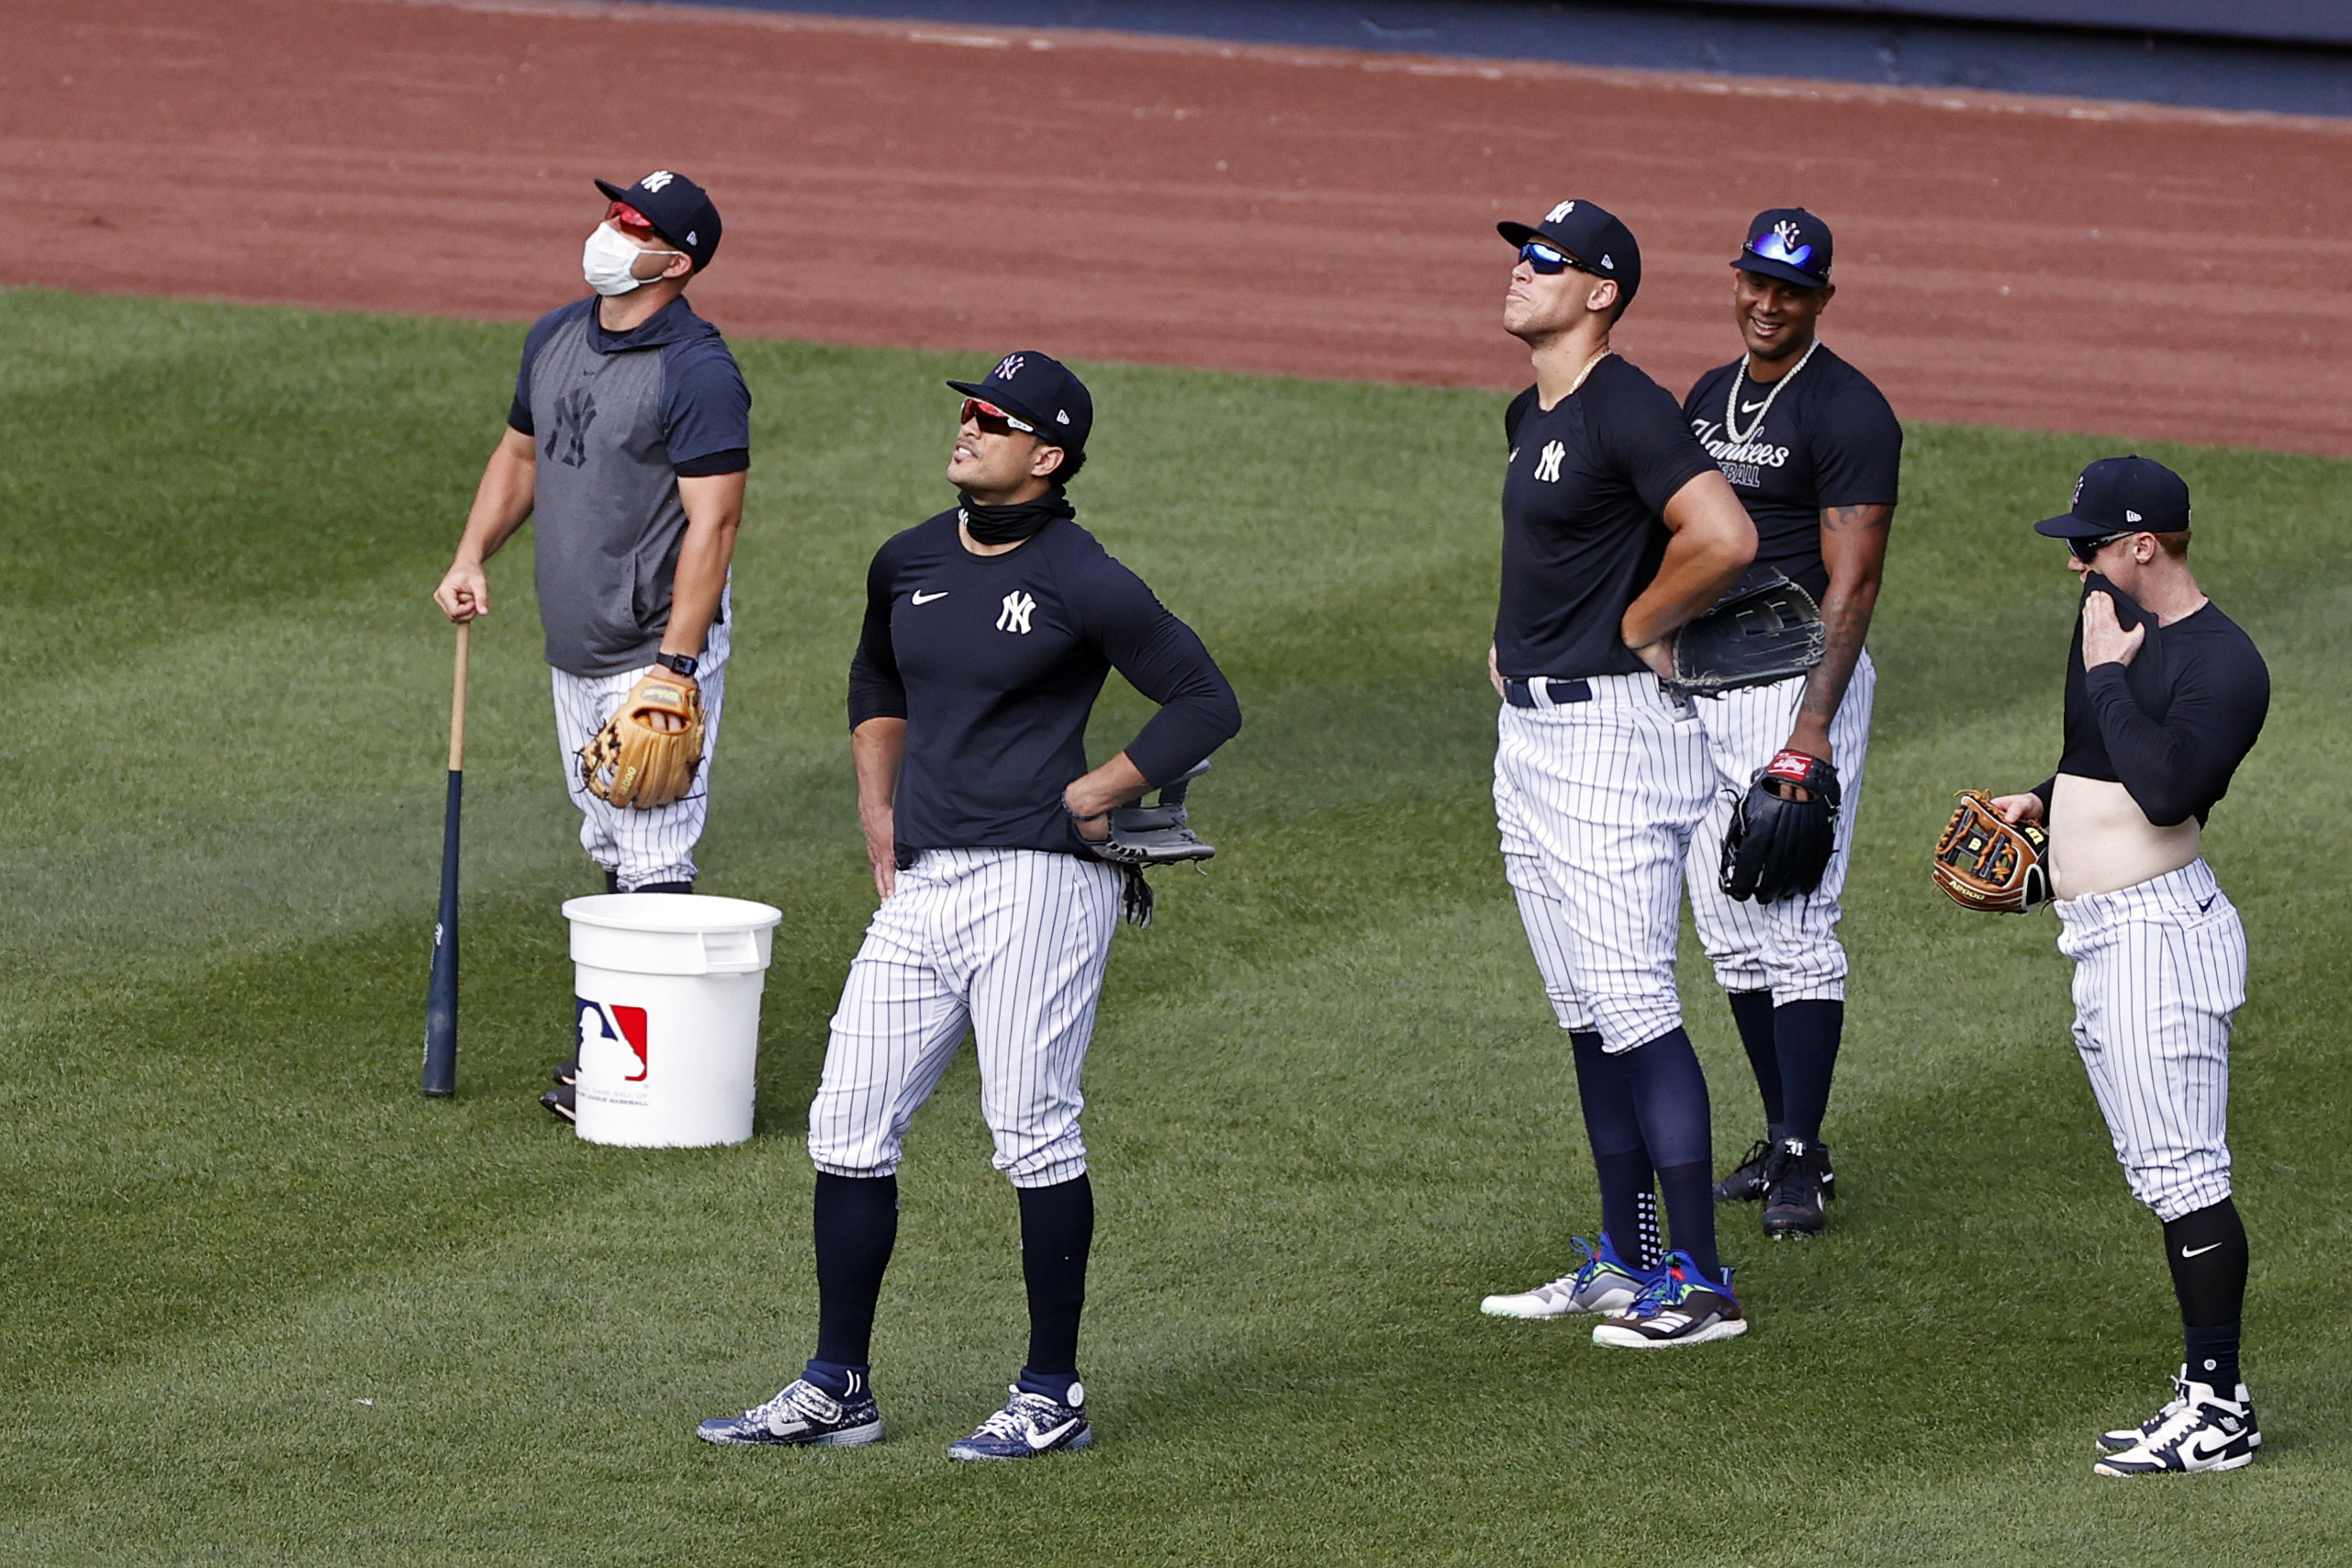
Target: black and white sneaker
(802, 1415)
(1029, 1424)
(2204, 1431)
(1751, 1180)
(1795, 1190)
(2122, 1438)
(562, 1102)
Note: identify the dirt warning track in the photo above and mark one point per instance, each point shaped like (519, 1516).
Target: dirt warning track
(2150, 272)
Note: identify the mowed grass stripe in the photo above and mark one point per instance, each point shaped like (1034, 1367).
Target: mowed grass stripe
(1327, 1107)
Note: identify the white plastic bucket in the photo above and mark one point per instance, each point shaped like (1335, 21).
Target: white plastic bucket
(666, 990)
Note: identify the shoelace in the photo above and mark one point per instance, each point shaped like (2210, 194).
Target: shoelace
(786, 1401)
(1581, 1274)
(1013, 1421)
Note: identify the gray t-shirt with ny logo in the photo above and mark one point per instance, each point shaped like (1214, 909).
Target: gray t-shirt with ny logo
(616, 419)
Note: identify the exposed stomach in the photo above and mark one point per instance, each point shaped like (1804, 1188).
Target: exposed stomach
(2100, 840)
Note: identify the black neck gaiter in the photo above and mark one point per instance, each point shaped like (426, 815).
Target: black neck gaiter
(1010, 525)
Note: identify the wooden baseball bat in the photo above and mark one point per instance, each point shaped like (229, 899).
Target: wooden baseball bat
(441, 995)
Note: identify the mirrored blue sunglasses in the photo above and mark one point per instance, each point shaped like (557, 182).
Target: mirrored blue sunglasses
(1546, 260)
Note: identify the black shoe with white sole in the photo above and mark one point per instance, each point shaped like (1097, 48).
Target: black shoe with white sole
(2122, 1438)
(1795, 1191)
(1751, 1180)
(559, 1102)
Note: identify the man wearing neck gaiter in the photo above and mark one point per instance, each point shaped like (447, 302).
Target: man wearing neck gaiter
(989, 632)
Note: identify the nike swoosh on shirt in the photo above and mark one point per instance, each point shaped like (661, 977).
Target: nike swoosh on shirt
(2200, 1252)
(1044, 1440)
(1752, 408)
(921, 598)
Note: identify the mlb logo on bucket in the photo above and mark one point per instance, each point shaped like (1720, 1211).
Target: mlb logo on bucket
(609, 1030)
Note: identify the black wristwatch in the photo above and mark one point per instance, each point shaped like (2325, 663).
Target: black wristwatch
(676, 664)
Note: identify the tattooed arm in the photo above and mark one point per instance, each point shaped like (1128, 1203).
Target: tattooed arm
(1853, 547)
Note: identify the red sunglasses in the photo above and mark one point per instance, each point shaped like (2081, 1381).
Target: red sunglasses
(992, 418)
(628, 217)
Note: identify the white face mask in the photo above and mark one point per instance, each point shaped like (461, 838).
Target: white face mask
(606, 258)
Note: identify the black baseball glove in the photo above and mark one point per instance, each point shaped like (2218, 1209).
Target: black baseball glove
(1778, 846)
(1157, 834)
(1765, 629)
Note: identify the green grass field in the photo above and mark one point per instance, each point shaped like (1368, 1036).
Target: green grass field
(265, 1305)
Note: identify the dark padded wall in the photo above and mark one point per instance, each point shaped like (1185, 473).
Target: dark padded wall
(2307, 21)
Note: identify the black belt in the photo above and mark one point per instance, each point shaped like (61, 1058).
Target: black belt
(1517, 692)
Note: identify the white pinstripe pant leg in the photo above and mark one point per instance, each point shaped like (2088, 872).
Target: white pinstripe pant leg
(897, 1028)
(641, 847)
(1036, 951)
(1790, 947)
(1602, 796)
(2159, 971)
(1014, 943)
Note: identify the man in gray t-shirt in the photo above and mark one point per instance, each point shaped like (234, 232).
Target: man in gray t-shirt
(630, 437)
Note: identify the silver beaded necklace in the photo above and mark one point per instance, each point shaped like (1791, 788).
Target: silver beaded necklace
(1731, 431)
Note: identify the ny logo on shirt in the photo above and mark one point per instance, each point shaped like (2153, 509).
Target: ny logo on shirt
(575, 411)
(1015, 614)
(1547, 461)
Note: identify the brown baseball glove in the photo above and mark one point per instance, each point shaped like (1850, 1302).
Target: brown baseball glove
(1983, 861)
(631, 763)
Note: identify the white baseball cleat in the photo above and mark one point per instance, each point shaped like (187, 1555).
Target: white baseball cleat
(1604, 1283)
(2122, 1438)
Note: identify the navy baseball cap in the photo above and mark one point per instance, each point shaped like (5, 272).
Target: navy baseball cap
(678, 210)
(2123, 495)
(1038, 389)
(1590, 237)
(1788, 243)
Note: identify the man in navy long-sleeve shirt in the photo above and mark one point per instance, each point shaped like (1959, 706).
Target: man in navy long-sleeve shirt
(989, 632)
(2165, 697)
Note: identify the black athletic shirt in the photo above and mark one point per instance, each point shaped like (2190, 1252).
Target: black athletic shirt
(1582, 537)
(995, 661)
(1828, 440)
(2172, 725)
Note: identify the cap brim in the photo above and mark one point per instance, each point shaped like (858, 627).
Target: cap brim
(1517, 233)
(611, 191)
(1044, 426)
(1747, 263)
(2071, 527)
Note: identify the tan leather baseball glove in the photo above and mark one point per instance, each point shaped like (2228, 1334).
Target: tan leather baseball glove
(631, 763)
(1985, 862)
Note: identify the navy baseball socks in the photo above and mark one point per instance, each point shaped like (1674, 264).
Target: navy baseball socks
(1793, 1050)
(1646, 1114)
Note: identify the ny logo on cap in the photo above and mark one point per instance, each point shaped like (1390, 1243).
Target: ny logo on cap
(1780, 245)
(1557, 213)
(1006, 368)
(2078, 495)
(657, 179)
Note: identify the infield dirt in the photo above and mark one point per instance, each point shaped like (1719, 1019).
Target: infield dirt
(2035, 264)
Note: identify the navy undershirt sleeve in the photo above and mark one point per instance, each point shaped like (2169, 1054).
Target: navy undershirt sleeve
(706, 408)
(1642, 430)
(2177, 767)
(1514, 414)
(1859, 464)
(876, 688)
(1165, 660)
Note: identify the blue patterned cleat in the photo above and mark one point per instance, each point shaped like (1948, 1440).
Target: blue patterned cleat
(1604, 1283)
(802, 1415)
(1029, 1424)
(1679, 1306)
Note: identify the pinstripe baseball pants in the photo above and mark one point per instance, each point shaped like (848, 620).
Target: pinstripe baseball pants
(1010, 942)
(1791, 947)
(639, 846)
(1596, 801)
(2159, 970)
